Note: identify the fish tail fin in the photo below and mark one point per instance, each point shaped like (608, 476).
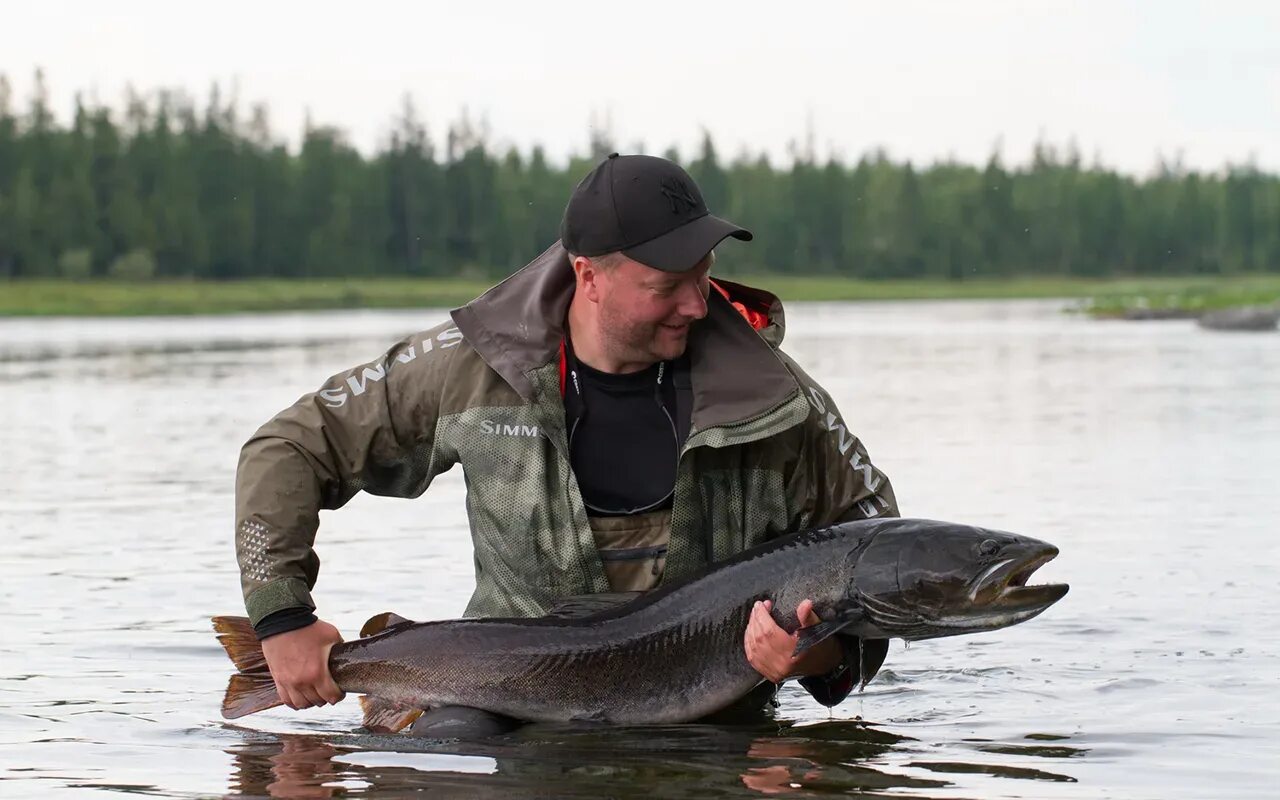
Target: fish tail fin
(252, 689)
(236, 636)
(249, 694)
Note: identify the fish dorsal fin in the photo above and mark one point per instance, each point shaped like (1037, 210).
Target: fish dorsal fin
(385, 716)
(841, 619)
(380, 622)
(584, 605)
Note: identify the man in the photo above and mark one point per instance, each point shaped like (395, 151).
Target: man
(622, 420)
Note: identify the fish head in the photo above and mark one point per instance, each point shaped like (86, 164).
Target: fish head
(931, 579)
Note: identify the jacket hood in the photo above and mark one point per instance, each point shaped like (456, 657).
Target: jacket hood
(517, 327)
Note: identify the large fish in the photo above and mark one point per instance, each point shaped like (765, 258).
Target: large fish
(675, 654)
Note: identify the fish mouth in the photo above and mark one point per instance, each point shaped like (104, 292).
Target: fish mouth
(1003, 585)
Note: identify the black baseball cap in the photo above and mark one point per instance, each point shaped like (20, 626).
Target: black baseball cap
(646, 207)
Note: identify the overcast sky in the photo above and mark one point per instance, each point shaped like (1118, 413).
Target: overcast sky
(1128, 81)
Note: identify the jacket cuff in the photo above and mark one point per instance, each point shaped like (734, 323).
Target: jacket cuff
(291, 619)
(281, 594)
(832, 688)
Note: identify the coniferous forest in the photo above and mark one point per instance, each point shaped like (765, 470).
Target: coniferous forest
(166, 189)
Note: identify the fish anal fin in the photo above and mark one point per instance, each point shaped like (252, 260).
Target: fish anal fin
(584, 605)
(249, 694)
(387, 716)
(380, 622)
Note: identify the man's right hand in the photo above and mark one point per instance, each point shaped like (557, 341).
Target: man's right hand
(299, 662)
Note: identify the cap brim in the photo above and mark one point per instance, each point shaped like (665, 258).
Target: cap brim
(680, 250)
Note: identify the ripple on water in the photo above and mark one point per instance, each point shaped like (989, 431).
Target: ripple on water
(997, 770)
(1122, 684)
(1038, 751)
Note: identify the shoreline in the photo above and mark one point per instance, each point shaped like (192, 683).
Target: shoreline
(1132, 298)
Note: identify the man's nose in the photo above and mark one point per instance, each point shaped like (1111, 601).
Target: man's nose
(693, 303)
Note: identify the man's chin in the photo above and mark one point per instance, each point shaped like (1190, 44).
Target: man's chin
(669, 350)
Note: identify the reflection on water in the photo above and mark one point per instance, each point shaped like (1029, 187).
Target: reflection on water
(293, 766)
(560, 761)
(1148, 454)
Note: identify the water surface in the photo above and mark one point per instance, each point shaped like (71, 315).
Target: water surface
(1149, 453)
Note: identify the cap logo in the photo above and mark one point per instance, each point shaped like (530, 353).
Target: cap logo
(678, 195)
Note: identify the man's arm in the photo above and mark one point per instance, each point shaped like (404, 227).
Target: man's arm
(370, 428)
(832, 481)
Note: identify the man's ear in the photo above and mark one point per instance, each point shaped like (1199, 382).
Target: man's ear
(587, 277)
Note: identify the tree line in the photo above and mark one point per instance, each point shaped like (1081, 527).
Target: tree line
(163, 189)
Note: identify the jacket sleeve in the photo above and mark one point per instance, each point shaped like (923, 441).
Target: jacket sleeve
(834, 481)
(371, 428)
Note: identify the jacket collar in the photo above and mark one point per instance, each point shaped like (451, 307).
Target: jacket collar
(517, 327)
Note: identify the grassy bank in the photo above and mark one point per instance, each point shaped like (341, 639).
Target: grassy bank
(151, 298)
(1185, 298)
(115, 298)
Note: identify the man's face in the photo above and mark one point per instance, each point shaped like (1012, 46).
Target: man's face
(646, 313)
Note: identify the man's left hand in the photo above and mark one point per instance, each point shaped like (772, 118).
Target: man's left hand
(769, 648)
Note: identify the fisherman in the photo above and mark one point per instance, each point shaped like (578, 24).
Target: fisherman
(623, 420)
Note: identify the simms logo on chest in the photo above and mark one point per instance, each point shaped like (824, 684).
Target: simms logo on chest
(507, 429)
(359, 381)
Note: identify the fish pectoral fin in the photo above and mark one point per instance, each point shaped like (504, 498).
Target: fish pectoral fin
(825, 629)
(381, 622)
(584, 605)
(386, 716)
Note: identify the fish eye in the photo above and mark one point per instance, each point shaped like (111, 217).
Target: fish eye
(989, 547)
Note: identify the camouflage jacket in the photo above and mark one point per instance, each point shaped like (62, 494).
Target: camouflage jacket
(767, 451)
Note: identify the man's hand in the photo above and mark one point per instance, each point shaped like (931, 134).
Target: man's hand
(769, 648)
(299, 662)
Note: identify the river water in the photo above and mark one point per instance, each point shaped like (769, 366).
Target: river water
(1149, 453)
